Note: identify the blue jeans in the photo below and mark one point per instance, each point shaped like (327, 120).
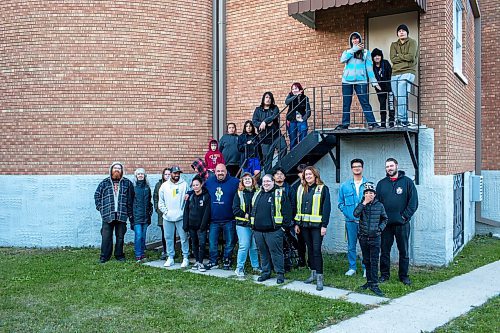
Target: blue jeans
(246, 245)
(297, 131)
(170, 227)
(363, 97)
(352, 239)
(140, 240)
(213, 239)
(401, 88)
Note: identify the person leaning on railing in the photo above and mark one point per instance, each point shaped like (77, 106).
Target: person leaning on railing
(299, 111)
(404, 61)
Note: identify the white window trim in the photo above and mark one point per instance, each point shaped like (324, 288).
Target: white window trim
(458, 40)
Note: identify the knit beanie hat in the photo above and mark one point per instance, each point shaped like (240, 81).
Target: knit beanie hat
(403, 27)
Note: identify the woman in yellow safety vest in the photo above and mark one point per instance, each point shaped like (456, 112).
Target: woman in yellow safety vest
(313, 215)
(242, 206)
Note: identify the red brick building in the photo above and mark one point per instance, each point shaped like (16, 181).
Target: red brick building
(149, 82)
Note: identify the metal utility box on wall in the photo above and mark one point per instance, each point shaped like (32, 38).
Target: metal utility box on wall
(476, 192)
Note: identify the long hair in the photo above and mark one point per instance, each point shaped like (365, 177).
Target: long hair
(315, 172)
(242, 187)
(273, 104)
(245, 127)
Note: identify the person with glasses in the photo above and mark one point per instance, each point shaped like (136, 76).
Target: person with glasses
(350, 194)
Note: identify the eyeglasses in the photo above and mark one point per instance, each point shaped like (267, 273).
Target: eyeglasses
(356, 166)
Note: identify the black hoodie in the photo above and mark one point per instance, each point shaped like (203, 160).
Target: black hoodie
(399, 198)
(197, 211)
(382, 72)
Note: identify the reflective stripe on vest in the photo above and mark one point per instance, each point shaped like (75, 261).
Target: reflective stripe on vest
(242, 206)
(315, 215)
(278, 218)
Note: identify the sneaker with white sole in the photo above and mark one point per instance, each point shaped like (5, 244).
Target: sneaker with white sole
(201, 268)
(239, 272)
(350, 272)
(169, 262)
(185, 263)
(196, 266)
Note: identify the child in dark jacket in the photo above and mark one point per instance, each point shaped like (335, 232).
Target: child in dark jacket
(196, 219)
(383, 71)
(213, 156)
(372, 220)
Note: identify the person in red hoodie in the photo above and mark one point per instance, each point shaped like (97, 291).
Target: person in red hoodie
(213, 156)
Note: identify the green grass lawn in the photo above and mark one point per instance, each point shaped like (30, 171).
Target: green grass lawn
(478, 252)
(66, 290)
(484, 319)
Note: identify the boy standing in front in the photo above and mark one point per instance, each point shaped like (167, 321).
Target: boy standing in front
(372, 220)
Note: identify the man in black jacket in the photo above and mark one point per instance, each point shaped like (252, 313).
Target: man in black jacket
(399, 196)
(271, 213)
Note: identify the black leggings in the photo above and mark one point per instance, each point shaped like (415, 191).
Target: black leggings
(313, 239)
(163, 241)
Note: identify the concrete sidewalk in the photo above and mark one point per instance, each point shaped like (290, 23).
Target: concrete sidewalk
(429, 308)
(298, 286)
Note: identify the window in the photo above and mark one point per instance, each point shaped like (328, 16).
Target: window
(458, 39)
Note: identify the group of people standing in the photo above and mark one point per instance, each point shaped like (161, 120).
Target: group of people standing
(363, 68)
(257, 218)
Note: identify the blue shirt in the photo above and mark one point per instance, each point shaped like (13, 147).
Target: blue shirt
(348, 199)
(222, 195)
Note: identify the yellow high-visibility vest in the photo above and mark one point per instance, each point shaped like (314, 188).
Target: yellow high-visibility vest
(315, 215)
(242, 206)
(278, 195)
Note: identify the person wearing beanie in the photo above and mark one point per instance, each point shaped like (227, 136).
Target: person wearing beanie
(372, 221)
(114, 198)
(404, 65)
(383, 72)
(143, 209)
(358, 71)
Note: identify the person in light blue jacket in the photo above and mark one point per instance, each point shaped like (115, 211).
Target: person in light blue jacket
(350, 195)
(358, 71)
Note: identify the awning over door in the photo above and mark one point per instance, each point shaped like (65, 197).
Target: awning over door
(304, 11)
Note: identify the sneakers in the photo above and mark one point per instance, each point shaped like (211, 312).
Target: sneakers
(169, 262)
(210, 265)
(201, 267)
(341, 127)
(406, 281)
(239, 273)
(185, 263)
(264, 277)
(196, 266)
(376, 290)
(365, 286)
(364, 273)
(383, 279)
(163, 256)
(350, 272)
(227, 265)
(280, 279)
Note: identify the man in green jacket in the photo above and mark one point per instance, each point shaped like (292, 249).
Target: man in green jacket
(404, 65)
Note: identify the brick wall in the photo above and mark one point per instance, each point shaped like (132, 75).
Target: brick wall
(448, 103)
(268, 50)
(88, 82)
(490, 84)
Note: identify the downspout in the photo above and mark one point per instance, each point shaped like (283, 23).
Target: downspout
(222, 68)
(478, 133)
(215, 70)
